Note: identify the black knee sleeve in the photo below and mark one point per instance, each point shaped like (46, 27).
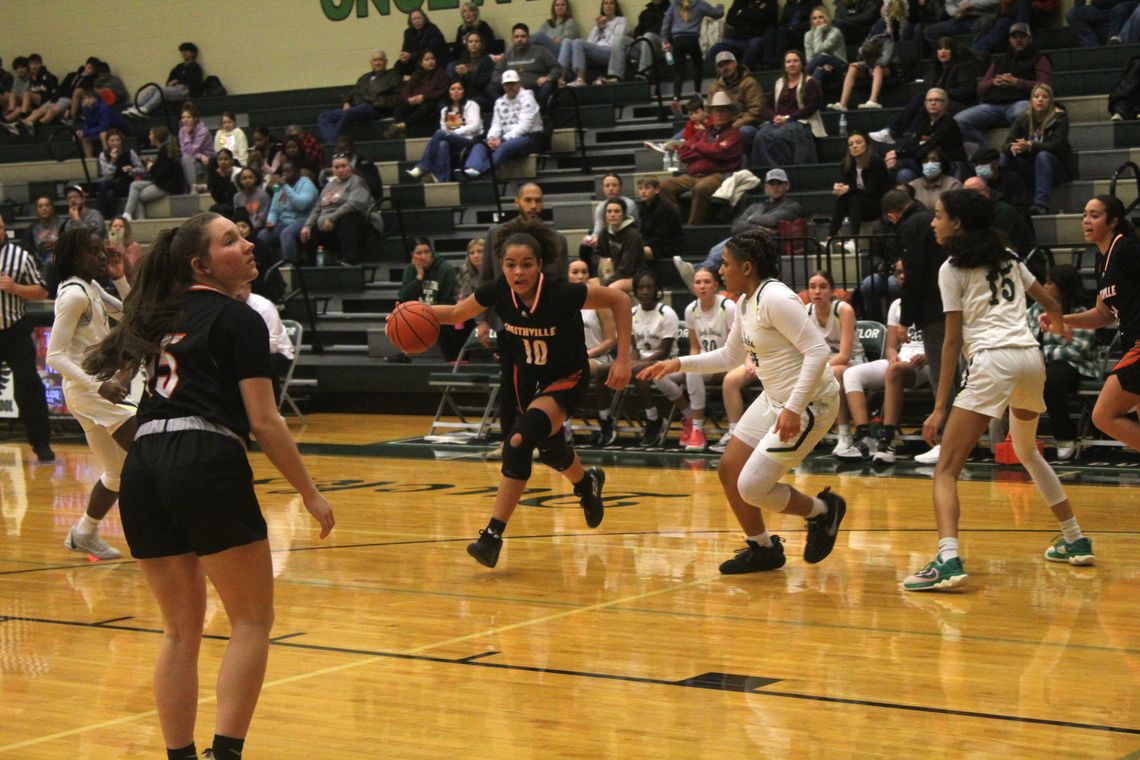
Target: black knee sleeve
(532, 427)
(555, 452)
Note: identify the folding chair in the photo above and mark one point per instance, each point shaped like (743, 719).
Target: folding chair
(873, 336)
(294, 330)
(474, 417)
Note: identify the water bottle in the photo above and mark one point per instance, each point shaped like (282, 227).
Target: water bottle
(667, 160)
(669, 56)
(320, 255)
(842, 124)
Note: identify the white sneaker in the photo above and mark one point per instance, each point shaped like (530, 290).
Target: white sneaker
(883, 136)
(858, 451)
(685, 269)
(1066, 450)
(870, 104)
(843, 442)
(415, 172)
(472, 173)
(930, 457)
(884, 456)
(90, 544)
(836, 107)
(722, 444)
(1116, 117)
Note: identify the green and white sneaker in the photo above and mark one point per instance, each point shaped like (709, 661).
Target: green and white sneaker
(1078, 552)
(937, 576)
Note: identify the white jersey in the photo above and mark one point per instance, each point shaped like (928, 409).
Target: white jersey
(652, 328)
(833, 334)
(711, 327)
(993, 308)
(788, 350)
(913, 346)
(279, 342)
(81, 320)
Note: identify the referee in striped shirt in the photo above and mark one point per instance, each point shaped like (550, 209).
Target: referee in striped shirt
(20, 281)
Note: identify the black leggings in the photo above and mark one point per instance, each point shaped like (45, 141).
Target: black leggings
(687, 45)
(1061, 383)
(859, 208)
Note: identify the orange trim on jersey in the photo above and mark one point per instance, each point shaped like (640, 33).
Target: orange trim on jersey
(1129, 358)
(518, 399)
(537, 295)
(564, 384)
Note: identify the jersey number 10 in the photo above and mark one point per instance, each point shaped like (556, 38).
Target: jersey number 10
(535, 351)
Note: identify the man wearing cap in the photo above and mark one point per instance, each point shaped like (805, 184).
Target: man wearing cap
(79, 216)
(737, 81)
(515, 125)
(536, 66)
(966, 17)
(1084, 16)
(1003, 93)
(373, 96)
(708, 160)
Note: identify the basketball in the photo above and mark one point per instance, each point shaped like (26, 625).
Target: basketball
(412, 327)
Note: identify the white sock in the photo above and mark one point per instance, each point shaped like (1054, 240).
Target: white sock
(687, 412)
(845, 431)
(763, 539)
(1071, 530)
(731, 427)
(603, 414)
(947, 548)
(86, 525)
(651, 414)
(818, 507)
(698, 424)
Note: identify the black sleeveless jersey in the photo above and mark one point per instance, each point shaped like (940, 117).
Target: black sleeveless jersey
(547, 340)
(1118, 284)
(216, 342)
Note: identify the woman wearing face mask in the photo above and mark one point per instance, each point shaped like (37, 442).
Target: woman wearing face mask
(1038, 149)
(934, 180)
(939, 131)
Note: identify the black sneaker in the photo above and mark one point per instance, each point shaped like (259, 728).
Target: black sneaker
(589, 491)
(824, 529)
(884, 456)
(606, 435)
(44, 453)
(486, 549)
(754, 558)
(651, 436)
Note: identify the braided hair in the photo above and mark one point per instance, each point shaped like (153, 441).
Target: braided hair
(759, 247)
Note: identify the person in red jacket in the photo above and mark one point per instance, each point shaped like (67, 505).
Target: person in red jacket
(708, 160)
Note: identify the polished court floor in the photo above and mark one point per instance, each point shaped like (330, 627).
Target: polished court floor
(621, 642)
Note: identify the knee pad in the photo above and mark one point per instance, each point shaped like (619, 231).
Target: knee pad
(555, 452)
(532, 427)
(670, 389)
(852, 382)
(1023, 433)
(759, 484)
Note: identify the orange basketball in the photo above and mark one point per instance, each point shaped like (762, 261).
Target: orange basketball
(412, 327)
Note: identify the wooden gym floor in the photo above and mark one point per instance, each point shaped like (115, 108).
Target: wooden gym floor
(623, 642)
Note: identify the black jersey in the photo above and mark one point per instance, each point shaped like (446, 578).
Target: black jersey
(216, 342)
(546, 341)
(1118, 283)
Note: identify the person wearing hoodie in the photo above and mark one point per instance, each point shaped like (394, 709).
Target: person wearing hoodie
(296, 197)
(99, 119)
(621, 243)
(338, 220)
(515, 125)
(432, 280)
(824, 47)
(738, 82)
(598, 47)
(419, 98)
(536, 66)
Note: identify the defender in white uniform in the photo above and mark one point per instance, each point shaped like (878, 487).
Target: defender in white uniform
(782, 426)
(983, 294)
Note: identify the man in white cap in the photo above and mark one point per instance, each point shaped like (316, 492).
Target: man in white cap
(708, 160)
(737, 81)
(514, 127)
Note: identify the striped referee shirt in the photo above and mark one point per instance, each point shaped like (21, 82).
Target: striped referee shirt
(21, 267)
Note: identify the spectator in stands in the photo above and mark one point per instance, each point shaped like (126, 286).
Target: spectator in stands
(620, 243)
(649, 23)
(184, 81)
(108, 86)
(746, 23)
(955, 71)
(220, 183)
(118, 166)
(310, 145)
(1068, 359)
(1128, 34)
(38, 97)
(195, 145)
(467, 282)
(921, 304)
(938, 130)
(878, 56)
(835, 319)
(362, 166)
(795, 20)
(774, 208)
(291, 150)
(99, 119)
(1012, 223)
(39, 238)
(121, 241)
(5, 79)
(58, 104)
(296, 197)
(474, 70)
(537, 68)
(419, 99)
(79, 217)
(371, 98)
(1037, 147)
(252, 198)
(560, 26)
(338, 220)
(281, 351)
(13, 90)
(824, 47)
(432, 280)
(1083, 16)
(681, 35)
(530, 202)
(469, 12)
(72, 87)
(661, 229)
(966, 17)
(935, 180)
(232, 137)
(608, 29)
(1004, 90)
(460, 122)
(708, 160)
(854, 18)
(862, 182)
(421, 35)
(745, 90)
(268, 146)
(515, 127)
(790, 137)
(164, 173)
(611, 191)
(1124, 100)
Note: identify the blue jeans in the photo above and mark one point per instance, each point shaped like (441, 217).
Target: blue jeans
(715, 257)
(285, 236)
(538, 38)
(516, 146)
(985, 115)
(1043, 170)
(576, 55)
(747, 51)
(332, 124)
(783, 145)
(871, 288)
(437, 155)
(1082, 18)
(816, 64)
(152, 98)
(1130, 32)
(975, 25)
(619, 55)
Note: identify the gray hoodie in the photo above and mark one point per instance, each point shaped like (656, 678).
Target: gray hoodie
(531, 62)
(340, 198)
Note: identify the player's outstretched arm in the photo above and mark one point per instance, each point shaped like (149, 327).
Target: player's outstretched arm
(453, 314)
(617, 302)
(660, 369)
